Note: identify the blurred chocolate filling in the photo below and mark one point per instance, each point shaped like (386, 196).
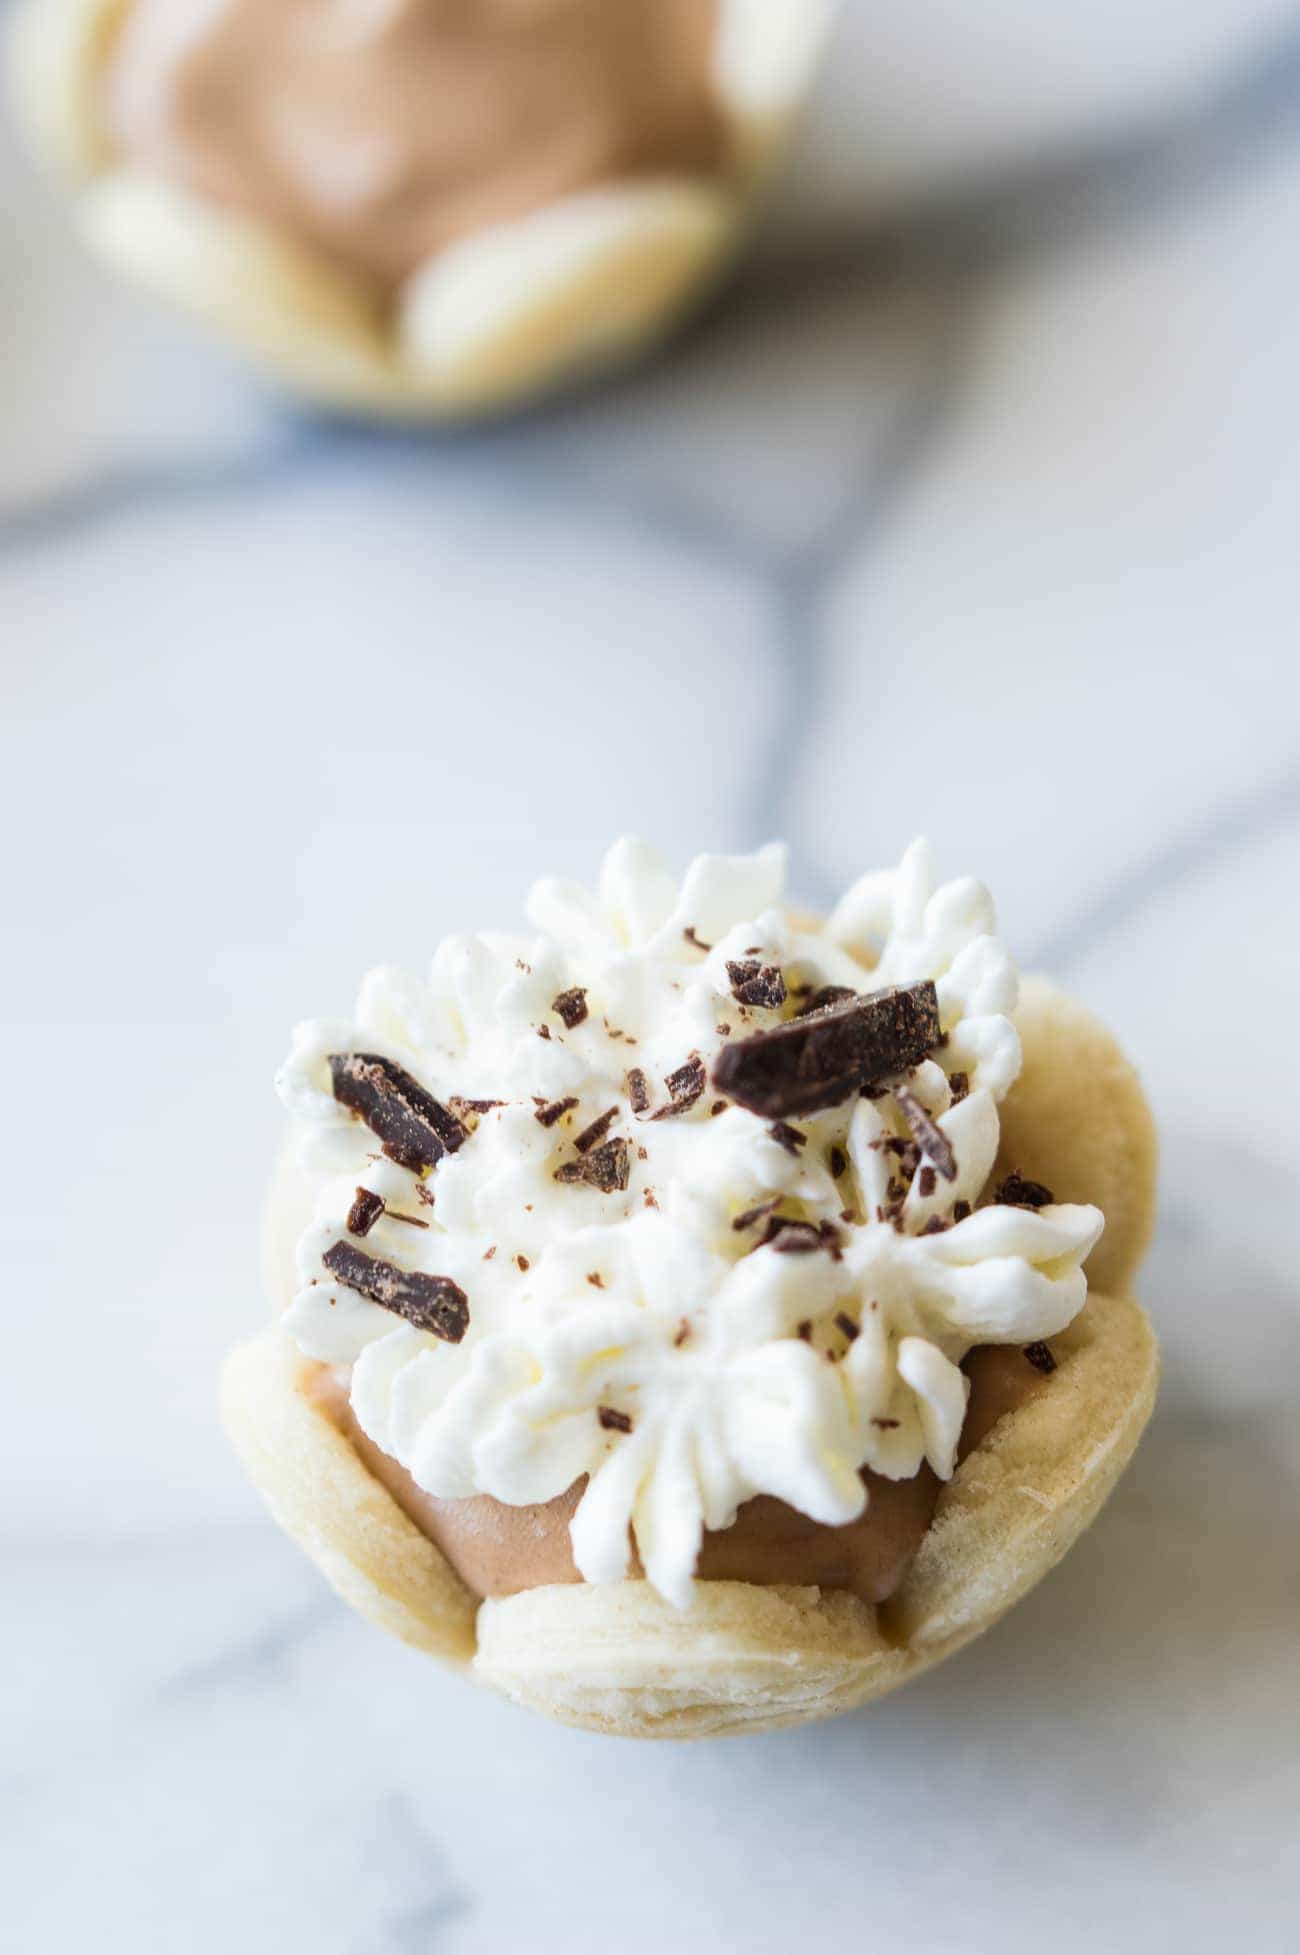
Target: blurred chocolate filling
(499, 1550)
(379, 134)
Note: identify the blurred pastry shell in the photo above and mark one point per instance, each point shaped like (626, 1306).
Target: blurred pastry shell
(498, 317)
(616, 1658)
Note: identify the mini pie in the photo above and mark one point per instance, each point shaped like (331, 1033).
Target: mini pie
(417, 208)
(683, 1310)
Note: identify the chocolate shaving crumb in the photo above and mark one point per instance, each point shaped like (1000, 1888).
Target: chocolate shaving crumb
(650, 1199)
(960, 1210)
(1017, 1192)
(823, 998)
(958, 1086)
(820, 1058)
(791, 1138)
(845, 1323)
(546, 1116)
(683, 1332)
(598, 1129)
(416, 1130)
(935, 1226)
(641, 1154)
(886, 1425)
(432, 1303)
(612, 1420)
(753, 983)
(571, 1006)
(837, 1161)
(698, 942)
(607, 1168)
(543, 1031)
(805, 1330)
(411, 1221)
(1040, 1356)
(638, 1092)
(595, 1279)
(488, 1254)
(686, 1086)
(364, 1212)
(747, 1219)
(790, 1237)
(927, 1133)
(719, 1106)
(925, 1181)
(522, 1264)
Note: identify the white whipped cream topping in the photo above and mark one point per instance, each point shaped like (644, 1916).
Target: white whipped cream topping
(731, 1367)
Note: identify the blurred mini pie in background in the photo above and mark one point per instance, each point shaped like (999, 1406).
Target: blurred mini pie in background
(418, 208)
(694, 1318)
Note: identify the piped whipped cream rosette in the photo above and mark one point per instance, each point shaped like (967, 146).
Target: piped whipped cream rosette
(693, 1318)
(678, 1201)
(415, 208)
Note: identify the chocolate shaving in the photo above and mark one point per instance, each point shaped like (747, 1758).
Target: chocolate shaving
(960, 1210)
(927, 1133)
(571, 1006)
(686, 1086)
(416, 1130)
(719, 1106)
(364, 1212)
(789, 1237)
(791, 1138)
(753, 983)
(958, 1086)
(607, 1168)
(1040, 1356)
(546, 1116)
(595, 1279)
(1017, 1192)
(638, 1092)
(432, 1303)
(697, 942)
(845, 1323)
(886, 1425)
(613, 1420)
(824, 997)
(935, 1226)
(820, 1058)
(926, 1181)
(837, 1161)
(598, 1129)
(747, 1219)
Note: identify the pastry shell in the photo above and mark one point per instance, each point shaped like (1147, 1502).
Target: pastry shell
(505, 314)
(616, 1658)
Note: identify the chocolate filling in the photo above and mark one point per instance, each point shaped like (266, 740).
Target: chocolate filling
(500, 1550)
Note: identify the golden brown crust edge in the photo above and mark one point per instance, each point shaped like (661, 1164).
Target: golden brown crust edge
(617, 1659)
(1078, 1120)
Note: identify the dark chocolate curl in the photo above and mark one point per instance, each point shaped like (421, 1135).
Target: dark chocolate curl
(823, 1057)
(416, 1130)
(432, 1303)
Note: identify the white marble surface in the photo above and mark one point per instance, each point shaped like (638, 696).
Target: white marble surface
(974, 509)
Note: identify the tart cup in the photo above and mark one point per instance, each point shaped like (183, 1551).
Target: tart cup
(615, 1657)
(507, 313)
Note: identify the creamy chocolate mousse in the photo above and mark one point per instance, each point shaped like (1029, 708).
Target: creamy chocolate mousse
(499, 1550)
(379, 131)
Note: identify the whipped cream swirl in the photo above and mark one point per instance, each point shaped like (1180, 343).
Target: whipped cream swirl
(652, 1327)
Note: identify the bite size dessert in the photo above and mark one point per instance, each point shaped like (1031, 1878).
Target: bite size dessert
(683, 1308)
(418, 207)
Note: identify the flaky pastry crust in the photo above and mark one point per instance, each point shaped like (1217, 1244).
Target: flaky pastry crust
(617, 1658)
